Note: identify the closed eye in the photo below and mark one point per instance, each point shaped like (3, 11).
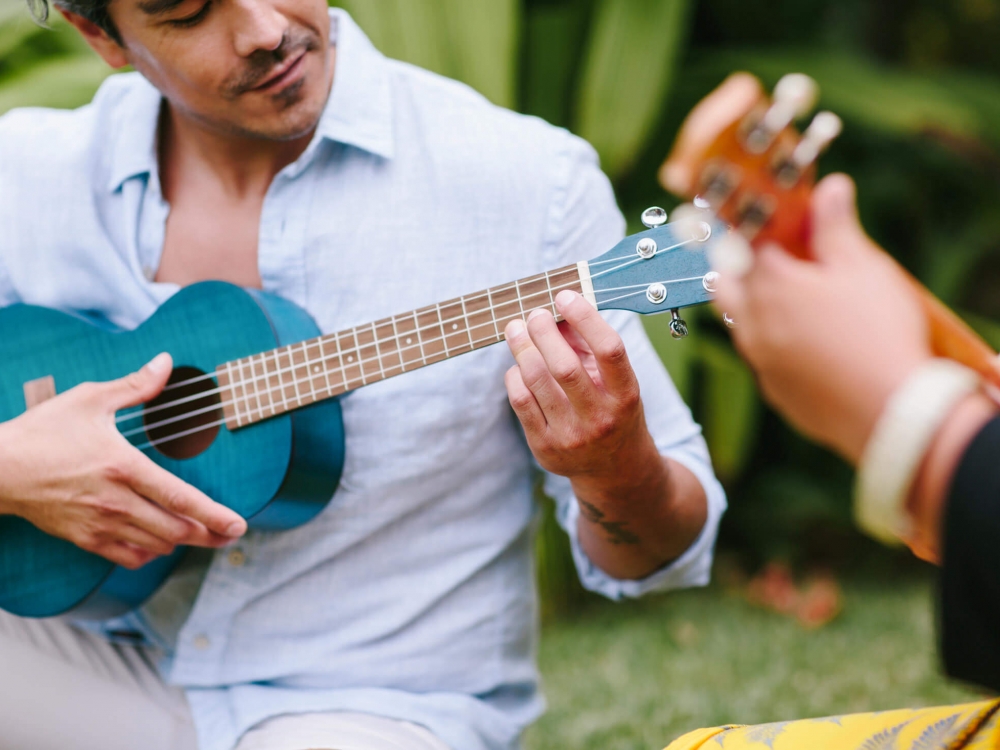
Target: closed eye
(188, 21)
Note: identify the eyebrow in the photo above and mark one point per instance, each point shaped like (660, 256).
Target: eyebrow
(158, 7)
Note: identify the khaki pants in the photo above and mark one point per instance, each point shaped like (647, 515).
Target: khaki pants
(62, 689)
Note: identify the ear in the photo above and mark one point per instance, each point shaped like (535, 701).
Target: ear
(110, 50)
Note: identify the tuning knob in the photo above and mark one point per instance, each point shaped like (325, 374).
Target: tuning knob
(678, 326)
(654, 217)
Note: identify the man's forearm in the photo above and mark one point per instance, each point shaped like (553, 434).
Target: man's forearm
(642, 519)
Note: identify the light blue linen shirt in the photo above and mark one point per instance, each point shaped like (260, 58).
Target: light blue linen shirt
(412, 594)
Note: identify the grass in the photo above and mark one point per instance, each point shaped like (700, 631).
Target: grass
(639, 674)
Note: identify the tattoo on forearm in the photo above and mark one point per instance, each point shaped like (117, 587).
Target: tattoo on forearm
(615, 530)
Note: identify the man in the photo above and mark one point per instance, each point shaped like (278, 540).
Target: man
(266, 143)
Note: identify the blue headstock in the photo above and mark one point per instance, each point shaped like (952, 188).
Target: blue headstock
(664, 268)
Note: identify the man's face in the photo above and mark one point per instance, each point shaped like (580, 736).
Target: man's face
(257, 68)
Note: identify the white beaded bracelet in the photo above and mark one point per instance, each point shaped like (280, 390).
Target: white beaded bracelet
(900, 440)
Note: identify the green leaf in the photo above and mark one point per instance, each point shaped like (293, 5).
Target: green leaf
(730, 408)
(473, 41)
(64, 82)
(628, 70)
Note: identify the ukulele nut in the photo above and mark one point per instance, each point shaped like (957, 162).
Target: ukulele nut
(710, 281)
(646, 247)
(656, 293)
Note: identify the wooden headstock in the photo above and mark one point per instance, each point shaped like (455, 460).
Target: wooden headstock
(739, 154)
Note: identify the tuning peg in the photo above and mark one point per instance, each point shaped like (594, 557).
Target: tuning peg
(821, 131)
(794, 96)
(690, 222)
(654, 217)
(678, 327)
(796, 92)
(731, 255)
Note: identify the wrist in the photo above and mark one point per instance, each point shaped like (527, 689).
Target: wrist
(901, 440)
(637, 468)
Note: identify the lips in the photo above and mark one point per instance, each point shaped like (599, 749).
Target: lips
(284, 72)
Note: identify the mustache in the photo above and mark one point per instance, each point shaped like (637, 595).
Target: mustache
(262, 63)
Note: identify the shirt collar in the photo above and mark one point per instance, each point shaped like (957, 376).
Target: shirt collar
(358, 112)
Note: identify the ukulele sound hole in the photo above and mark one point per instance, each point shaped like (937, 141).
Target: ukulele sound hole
(184, 419)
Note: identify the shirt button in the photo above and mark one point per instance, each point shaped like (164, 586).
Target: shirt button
(201, 642)
(237, 558)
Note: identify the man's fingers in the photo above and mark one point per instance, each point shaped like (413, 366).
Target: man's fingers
(563, 363)
(142, 385)
(124, 554)
(180, 498)
(523, 402)
(534, 372)
(170, 528)
(604, 342)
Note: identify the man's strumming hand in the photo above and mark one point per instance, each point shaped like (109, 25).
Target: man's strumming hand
(66, 468)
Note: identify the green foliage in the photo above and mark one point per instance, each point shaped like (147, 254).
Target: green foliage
(918, 86)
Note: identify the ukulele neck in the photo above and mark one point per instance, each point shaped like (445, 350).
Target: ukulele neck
(278, 381)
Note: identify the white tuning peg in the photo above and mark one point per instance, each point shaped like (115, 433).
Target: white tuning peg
(798, 92)
(821, 131)
(731, 255)
(794, 96)
(654, 217)
(691, 223)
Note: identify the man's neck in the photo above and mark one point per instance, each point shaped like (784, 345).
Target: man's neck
(243, 166)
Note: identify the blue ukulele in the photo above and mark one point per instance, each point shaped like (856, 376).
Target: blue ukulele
(250, 414)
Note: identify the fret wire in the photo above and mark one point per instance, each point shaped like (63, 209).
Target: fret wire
(419, 335)
(468, 329)
(306, 362)
(246, 398)
(378, 351)
(281, 380)
(243, 371)
(399, 349)
(267, 384)
(493, 312)
(326, 364)
(520, 302)
(361, 362)
(552, 301)
(444, 336)
(257, 390)
(232, 388)
(340, 358)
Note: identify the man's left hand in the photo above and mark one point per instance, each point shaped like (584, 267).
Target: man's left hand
(575, 392)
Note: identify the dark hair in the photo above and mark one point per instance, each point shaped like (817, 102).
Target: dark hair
(95, 11)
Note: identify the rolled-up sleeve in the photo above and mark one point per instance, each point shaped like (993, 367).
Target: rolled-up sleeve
(584, 222)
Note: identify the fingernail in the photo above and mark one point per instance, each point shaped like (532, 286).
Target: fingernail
(515, 328)
(536, 313)
(159, 364)
(731, 256)
(565, 298)
(236, 528)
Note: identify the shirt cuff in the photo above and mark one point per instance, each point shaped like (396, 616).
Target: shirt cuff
(693, 568)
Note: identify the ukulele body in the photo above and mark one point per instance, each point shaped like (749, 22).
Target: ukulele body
(277, 473)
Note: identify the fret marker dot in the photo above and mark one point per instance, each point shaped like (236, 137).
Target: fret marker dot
(317, 368)
(454, 326)
(409, 341)
(351, 358)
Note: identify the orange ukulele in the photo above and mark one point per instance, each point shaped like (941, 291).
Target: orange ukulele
(739, 155)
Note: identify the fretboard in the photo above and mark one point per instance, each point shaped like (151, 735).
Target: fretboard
(290, 377)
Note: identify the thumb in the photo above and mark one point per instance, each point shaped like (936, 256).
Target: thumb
(142, 385)
(836, 230)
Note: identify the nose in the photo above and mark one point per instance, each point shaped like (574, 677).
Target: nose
(259, 26)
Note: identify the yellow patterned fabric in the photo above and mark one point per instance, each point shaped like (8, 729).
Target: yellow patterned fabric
(974, 726)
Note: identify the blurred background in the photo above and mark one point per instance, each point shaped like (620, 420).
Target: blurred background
(918, 86)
